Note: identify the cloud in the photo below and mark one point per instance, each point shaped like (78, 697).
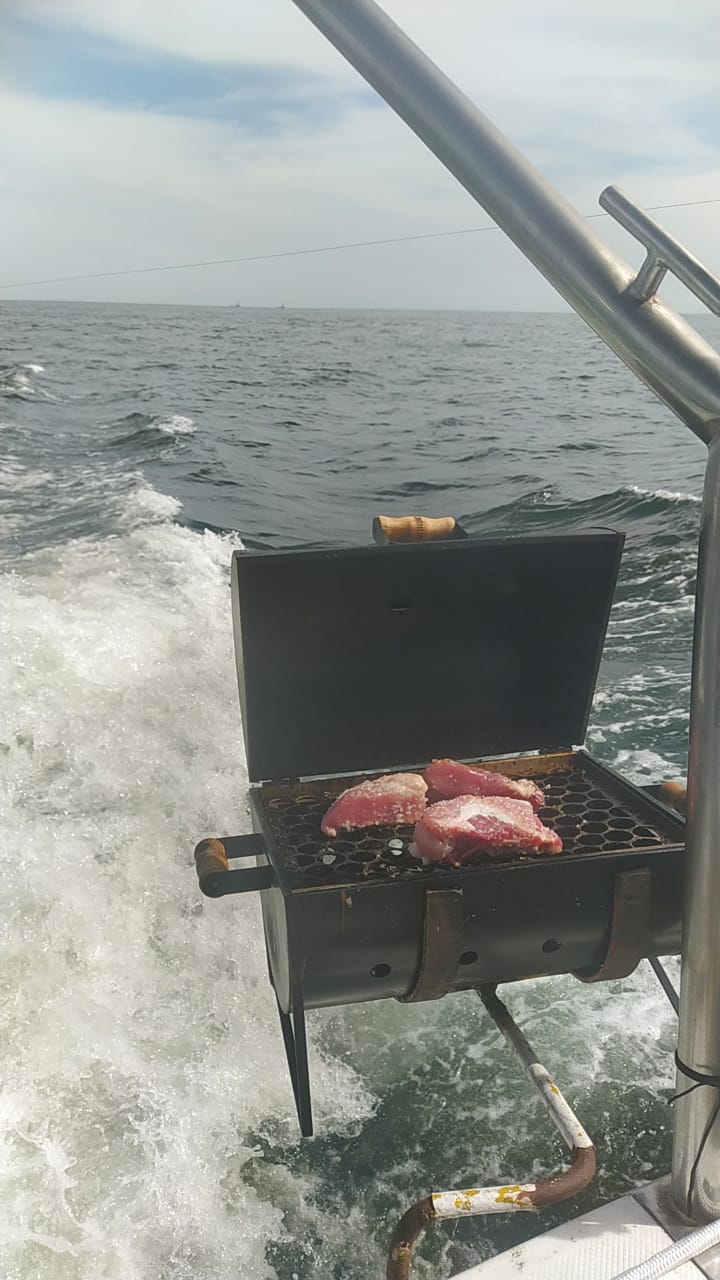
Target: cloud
(179, 132)
(62, 62)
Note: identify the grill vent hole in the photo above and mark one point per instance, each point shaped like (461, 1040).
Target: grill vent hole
(380, 971)
(468, 957)
(401, 604)
(552, 944)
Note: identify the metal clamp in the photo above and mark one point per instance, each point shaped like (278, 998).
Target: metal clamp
(214, 875)
(664, 253)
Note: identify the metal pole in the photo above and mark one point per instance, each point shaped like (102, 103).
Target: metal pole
(696, 1157)
(660, 347)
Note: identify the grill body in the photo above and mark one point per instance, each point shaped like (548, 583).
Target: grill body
(354, 662)
(349, 912)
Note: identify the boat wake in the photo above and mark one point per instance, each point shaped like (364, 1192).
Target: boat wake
(140, 1033)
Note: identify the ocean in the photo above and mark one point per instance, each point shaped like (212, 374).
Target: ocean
(148, 1130)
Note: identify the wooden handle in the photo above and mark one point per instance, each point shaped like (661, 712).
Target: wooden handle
(674, 794)
(412, 528)
(210, 857)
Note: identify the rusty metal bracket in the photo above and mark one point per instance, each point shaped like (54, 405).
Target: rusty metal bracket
(629, 937)
(441, 945)
(512, 1197)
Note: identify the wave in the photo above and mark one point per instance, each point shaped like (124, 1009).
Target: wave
(47, 508)
(15, 383)
(176, 424)
(541, 508)
(666, 495)
(143, 430)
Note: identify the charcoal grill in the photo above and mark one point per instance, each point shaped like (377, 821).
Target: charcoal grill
(354, 662)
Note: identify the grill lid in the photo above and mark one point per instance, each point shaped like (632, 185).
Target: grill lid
(370, 658)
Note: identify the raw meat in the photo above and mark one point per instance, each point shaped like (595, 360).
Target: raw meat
(452, 831)
(396, 797)
(448, 778)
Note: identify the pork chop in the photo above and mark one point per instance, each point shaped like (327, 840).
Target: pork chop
(448, 778)
(453, 831)
(378, 802)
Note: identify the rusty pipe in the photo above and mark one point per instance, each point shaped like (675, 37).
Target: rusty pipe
(402, 1241)
(511, 1197)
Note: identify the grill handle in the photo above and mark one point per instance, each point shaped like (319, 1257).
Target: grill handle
(415, 529)
(214, 875)
(674, 794)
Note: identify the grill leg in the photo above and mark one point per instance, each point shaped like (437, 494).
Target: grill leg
(295, 1040)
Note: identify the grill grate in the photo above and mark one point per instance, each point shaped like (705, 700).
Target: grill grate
(587, 817)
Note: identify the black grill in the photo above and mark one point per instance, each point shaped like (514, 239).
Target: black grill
(354, 663)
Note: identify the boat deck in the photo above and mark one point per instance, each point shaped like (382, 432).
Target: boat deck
(598, 1246)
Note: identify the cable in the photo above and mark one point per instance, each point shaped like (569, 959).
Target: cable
(299, 253)
(701, 1078)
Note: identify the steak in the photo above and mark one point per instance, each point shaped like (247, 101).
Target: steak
(448, 778)
(394, 798)
(453, 831)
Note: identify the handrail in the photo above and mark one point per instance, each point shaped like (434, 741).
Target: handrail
(664, 253)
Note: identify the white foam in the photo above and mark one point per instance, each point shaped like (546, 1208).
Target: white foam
(19, 382)
(643, 766)
(16, 476)
(176, 424)
(140, 1038)
(145, 505)
(670, 495)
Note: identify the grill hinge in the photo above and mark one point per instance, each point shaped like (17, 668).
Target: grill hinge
(259, 783)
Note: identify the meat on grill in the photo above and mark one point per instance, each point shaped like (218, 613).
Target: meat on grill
(379, 802)
(452, 831)
(447, 779)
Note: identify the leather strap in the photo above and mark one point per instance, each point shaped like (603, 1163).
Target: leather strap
(629, 928)
(441, 945)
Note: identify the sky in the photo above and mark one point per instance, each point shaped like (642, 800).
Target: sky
(140, 133)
